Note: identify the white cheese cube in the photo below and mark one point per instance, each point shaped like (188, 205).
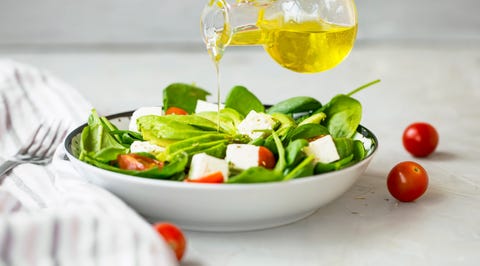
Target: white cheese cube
(367, 143)
(242, 156)
(255, 121)
(203, 106)
(323, 149)
(204, 164)
(142, 111)
(145, 146)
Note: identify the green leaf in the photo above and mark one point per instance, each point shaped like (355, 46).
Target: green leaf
(228, 118)
(308, 131)
(363, 87)
(344, 146)
(126, 137)
(328, 167)
(359, 151)
(256, 175)
(281, 161)
(305, 168)
(156, 128)
(243, 101)
(170, 170)
(294, 105)
(184, 96)
(343, 116)
(286, 121)
(194, 142)
(294, 152)
(97, 142)
(313, 119)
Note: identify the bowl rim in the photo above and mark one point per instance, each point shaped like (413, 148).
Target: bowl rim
(168, 183)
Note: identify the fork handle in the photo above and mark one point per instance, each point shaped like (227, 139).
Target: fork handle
(5, 167)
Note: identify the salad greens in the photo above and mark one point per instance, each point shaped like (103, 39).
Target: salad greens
(298, 122)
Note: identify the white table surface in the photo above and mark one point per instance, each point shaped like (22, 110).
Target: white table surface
(437, 83)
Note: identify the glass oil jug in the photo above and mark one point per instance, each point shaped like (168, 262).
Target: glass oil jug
(305, 36)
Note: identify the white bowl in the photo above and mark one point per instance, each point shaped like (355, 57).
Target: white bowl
(227, 207)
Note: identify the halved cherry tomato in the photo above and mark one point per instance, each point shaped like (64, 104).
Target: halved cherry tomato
(175, 111)
(137, 162)
(407, 181)
(266, 158)
(173, 236)
(420, 139)
(215, 177)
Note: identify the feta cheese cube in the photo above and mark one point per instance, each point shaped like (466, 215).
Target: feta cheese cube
(242, 156)
(145, 146)
(204, 164)
(255, 121)
(142, 111)
(323, 149)
(367, 142)
(203, 106)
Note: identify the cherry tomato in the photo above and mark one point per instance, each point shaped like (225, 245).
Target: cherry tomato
(173, 236)
(137, 162)
(215, 177)
(420, 139)
(407, 181)
(175, 111)
(266, 158)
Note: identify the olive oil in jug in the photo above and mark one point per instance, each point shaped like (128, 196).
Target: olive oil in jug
(295, 33)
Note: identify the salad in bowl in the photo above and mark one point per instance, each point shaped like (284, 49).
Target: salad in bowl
(242, 141)
(240, 165)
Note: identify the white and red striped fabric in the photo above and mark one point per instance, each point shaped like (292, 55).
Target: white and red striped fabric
(48, 214)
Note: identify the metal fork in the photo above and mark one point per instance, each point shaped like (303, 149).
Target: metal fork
(39, 149)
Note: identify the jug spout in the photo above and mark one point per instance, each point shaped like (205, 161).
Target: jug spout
(223, 24)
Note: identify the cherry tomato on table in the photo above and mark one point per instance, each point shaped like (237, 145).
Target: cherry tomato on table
(407, 181)
(420, 139)
(173, 236)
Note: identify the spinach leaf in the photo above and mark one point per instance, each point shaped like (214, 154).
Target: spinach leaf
(294, 151)
(285, 121)
(97, 142)
(158, 128)
(192, 120)
(194, 142)
(294, 105)
(256, 175)
(344, 113)
(344, 146)
(281, 161)
(313, 119)
(170, 170)
(343, 116)
(184, 96)
(214, 148)
(308, 131)
(228, 118)
(126, 137)
(305, 168)
(243, 101)
(359, 151)
(328, 167)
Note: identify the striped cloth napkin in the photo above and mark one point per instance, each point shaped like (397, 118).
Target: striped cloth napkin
(48, 214)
